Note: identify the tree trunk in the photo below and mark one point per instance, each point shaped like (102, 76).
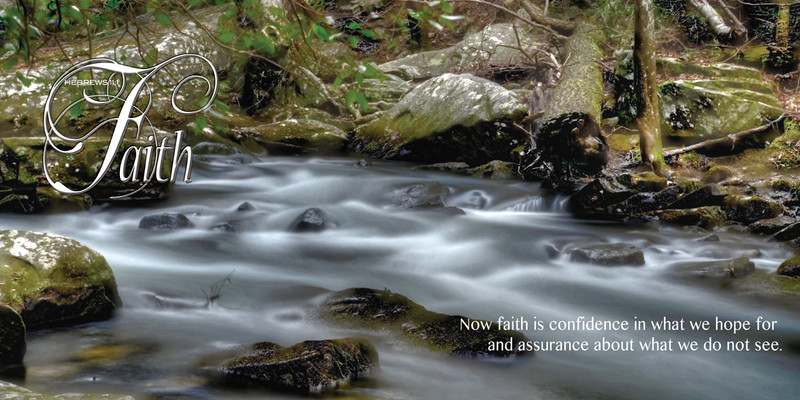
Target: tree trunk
(714, 19)
(644, 65)
(782, 24)
(568, 141)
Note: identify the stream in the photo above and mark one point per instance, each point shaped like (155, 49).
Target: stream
(490, 262)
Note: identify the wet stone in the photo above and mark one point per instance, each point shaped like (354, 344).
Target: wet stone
(312, 220)
(617, 254)
(308, 367)
(734, 268)
(771, 225)
(166, 221)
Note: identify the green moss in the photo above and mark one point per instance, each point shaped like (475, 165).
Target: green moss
(380, 309)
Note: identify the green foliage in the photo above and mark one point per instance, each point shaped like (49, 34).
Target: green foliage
(244, 26)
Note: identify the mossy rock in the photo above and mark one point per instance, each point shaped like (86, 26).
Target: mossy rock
(716, 174)
(307, 367)
(715, 108)
(496, 44)
(54, 281)
(380, 309)
(297, 136)
(721, 269)
(617, 254)
(769, 286)
(772, 225)
(12, 338)
(749, 209)
(790, 267)
(448, 118)
(495, 170)
(704, 217)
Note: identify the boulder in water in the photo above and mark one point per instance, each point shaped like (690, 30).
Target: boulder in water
(307, 367)
(381, 309)
(312, 220)
(165, 221)
(616, 254)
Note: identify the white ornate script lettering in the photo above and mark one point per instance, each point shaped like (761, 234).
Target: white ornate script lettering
(122, 121)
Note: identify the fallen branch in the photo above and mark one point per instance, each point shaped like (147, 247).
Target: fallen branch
(540, 16)
(739, 27)
(733, 138)
(714, 19)
(545, 27)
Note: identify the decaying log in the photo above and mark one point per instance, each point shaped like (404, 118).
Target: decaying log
(568, 141)
(712, 16)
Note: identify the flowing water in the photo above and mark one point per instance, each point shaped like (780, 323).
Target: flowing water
(490, 262)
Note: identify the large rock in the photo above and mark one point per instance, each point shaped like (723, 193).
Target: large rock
(12, 338)
(702, 107)
(617, 254)
(307, 367)
(448, 118)
(381, 309)
(496, 44)
(9, 391)
(295, 136)
(53, 281)
(749, 209)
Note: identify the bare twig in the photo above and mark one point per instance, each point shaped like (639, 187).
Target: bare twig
(733, 138)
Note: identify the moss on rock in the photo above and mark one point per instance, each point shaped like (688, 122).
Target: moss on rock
(381, 309)
(53, 281)
(448, 118)
(307, 367)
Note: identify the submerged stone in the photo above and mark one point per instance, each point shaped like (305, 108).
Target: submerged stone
(608, 254)
(734, 268)
(307, 367)
(165, 221)
(420, 195)
(54, 281)
(448, 118)
(9, 391)
(312, 220)
(380, 309)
